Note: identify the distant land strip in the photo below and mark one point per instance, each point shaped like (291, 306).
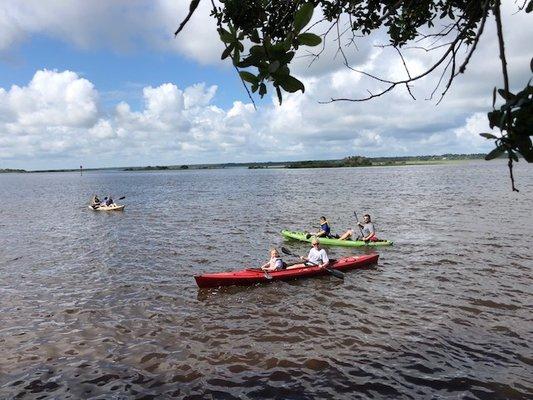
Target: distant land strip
(352, 161)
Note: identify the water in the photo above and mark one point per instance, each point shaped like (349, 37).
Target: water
(104, 305)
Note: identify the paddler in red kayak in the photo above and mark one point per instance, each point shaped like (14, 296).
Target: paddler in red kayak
(317, 257)
(368, 231)
(275, 263)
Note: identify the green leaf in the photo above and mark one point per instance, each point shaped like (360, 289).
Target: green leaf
(529, 8)
(494, 97)
(494, 118)
(506, 95)
(303, 16)
(236, 56)
(309, 39)
(525, 147)
(225, 36)
(273, 67)
(248, 77)
(278, 91)
(258, 51)
(254, 37)
(287, 57)
(291, 84)
(531, 62)
(227, 52)
(498, 151)
(488, 135)
(283, 71)
(262, 89)
(248, 62)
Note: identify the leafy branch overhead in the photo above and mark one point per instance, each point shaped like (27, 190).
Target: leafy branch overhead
(272, 49)
(261, 37)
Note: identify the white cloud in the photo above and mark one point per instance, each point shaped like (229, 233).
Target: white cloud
(58, 116)
(120, 25)
(53, 99)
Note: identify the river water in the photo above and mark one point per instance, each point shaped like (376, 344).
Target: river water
(104, 305)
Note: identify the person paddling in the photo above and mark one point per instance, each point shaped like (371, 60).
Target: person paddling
(95, 202)
(325, 230)
(107, 201)
(367, 230)
(316, 257)
(275, 263)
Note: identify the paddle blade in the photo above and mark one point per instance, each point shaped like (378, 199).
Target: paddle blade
(335, 273)
(287, 251)
(122, 198)
(267, 275)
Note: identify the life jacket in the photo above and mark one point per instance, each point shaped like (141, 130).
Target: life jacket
(325, 227)
(283, 263)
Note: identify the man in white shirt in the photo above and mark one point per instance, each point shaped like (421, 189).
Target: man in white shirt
(317, 255)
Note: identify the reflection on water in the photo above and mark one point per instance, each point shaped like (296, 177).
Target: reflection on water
(104, 305)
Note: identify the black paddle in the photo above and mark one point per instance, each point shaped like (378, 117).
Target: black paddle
(334, 272)
(359, 226)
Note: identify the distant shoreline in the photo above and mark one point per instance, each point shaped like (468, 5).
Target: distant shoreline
(355, 161)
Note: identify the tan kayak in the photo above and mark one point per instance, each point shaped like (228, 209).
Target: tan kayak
(112, 207)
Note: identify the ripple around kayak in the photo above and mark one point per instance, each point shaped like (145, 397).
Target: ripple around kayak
(301, 236)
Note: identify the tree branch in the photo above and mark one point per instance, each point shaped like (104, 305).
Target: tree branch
(462, 68)
(192, 8)
(451, 49)
(501, 45)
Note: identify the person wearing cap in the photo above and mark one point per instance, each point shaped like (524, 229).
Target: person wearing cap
(316, 257)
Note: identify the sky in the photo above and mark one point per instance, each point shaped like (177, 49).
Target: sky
(106, 84)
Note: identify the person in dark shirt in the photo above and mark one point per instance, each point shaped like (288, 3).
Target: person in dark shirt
(325, 230)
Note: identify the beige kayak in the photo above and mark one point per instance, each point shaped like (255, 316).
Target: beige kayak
(112, 207)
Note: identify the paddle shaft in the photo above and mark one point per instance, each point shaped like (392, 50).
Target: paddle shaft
(360, 229)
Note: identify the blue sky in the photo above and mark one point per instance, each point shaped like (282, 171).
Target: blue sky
(106, 84)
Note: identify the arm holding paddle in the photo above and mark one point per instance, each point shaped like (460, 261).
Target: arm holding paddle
(368, 232)
(323, 261)
(323, 265)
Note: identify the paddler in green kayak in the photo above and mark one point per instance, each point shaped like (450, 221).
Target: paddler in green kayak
(368, 232)
(325, 230)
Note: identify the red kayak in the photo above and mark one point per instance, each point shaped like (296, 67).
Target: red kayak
(251, 276)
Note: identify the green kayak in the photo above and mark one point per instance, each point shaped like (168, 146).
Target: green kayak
(333, 242)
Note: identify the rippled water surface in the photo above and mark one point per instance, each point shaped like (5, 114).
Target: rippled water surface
(104, 305)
